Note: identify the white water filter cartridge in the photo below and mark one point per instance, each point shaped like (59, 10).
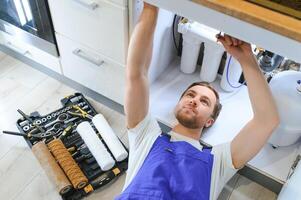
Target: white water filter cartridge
(231, 75)
(211, 61)
(110, 137)
(190, 54)
(96, 147)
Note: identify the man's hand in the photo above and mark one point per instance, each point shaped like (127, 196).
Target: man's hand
(237, 48)
(149, 6)
(256, 132)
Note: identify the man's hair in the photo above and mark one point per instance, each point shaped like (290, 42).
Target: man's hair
(217, 106)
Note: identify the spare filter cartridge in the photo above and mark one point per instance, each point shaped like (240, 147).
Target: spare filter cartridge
(109, 137)
(96, 147)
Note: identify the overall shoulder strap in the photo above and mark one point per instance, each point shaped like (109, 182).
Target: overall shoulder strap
(207, 149)
(165, 135)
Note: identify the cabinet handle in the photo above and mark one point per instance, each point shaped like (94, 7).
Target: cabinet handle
(87, 3)
(17, 49)
(80, 53)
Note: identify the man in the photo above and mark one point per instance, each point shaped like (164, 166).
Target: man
(175, 165)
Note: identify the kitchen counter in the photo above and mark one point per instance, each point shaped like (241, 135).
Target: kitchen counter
(257, 15)
(257, 25)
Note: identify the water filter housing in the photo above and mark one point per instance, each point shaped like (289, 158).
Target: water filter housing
(191, 47)
(193, 35)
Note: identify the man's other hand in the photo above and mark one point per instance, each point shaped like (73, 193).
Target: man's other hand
(149, 6)
(237, 48)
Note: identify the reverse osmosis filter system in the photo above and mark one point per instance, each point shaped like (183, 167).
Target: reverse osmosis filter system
(194, 34)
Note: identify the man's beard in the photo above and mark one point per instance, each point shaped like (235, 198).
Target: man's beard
(189, 122)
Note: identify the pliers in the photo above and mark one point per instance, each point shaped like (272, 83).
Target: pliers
(82, 113)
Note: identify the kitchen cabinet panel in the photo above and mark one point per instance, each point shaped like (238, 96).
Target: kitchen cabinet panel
(99, 24)
(92, 69)
(30, 52)
(121, 2)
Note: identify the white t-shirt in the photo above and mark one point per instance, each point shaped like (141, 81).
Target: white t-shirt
(142, 138)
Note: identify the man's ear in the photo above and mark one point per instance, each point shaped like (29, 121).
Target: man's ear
(209, 122)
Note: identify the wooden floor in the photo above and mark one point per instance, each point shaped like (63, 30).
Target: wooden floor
(22, 87)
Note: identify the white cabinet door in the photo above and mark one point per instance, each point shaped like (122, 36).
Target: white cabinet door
(31, 52)
(92, 69)
(121, 2)
(98, 24)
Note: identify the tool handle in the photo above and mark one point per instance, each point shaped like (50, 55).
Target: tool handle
(108, 176)
(14, 133)
(30, 120)
(24, 115)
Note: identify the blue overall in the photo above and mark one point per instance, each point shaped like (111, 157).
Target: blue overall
(172, 170)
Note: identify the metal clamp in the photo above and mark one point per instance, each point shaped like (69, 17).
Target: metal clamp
(80, 53)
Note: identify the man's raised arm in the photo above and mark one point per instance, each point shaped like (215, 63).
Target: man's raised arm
(138, 61)
(265, 119)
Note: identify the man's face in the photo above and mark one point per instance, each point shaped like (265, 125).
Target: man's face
(195, 108)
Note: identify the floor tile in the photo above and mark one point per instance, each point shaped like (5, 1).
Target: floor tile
(7, 64)
(52, 100)
(2, 55)
(7, 142)
(229, 187)
(39, 189)
(110, 191)
(17, 169)
(248, 190)
(11, 93)
(26, 75)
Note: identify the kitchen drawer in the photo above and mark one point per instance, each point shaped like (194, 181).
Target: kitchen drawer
(91, 69)
(104, 28)
(31, 52)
